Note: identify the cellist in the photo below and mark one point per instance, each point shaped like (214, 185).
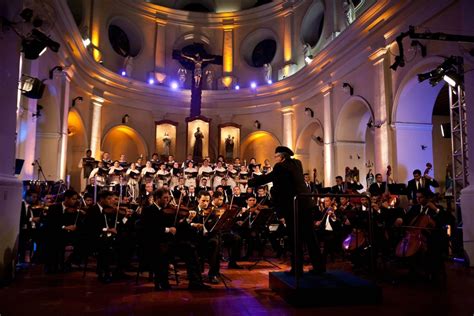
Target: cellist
(432, 259)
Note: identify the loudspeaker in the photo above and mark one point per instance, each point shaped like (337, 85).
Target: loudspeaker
(32, 88)
(19, 165)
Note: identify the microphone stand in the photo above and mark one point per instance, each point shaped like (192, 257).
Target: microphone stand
(40, 170)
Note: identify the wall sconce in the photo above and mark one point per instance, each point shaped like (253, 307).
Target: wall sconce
(39, 107)
(348, 88)
(257, 124)
(309, 112)
(317, 139)
(423, 147)
(372, 124)
(77, 100)
(51, 72)
(125, 119)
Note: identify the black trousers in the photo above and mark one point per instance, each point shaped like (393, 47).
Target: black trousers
(209, 247)
(306, 236)
(234, 243)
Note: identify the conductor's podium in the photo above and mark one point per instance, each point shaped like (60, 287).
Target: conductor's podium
(333, 288)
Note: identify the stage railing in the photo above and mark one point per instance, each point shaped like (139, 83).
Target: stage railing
(296, 236)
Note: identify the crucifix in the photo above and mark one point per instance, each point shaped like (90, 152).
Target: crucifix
(195, 58)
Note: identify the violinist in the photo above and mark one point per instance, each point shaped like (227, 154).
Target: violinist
(230, 239)
(158, 238)
(328, 226)
(190, 200)
(208, 244)
(27, 222)
(239, 198)
(62, 220)
(180, 189)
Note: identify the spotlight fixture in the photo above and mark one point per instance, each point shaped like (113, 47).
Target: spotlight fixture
(348, 88)
(31, 87)
(257, 124)
(151, 81)
(448, 71)
(309, 112)
(372, 124)
(77, 100)
(237, 87)
(125, 119)
(51, 71)
(174, 85)
(423, 147)
(308, 59)
(36, 44)
(123, 73)
(253, 85)
(269, 81)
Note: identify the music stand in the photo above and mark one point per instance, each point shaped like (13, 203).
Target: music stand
(262, 218)
(224, 223)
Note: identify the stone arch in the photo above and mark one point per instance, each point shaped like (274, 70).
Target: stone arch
(252, 39)
(309, 148)
(313, 23)
(354, 140)
(412, 120)
(77, 144)
(259, 145)
(122, 139)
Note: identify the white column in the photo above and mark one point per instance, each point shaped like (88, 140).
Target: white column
(288, 116)
(26, 126)
(10, 187)
(64, 108)
(329, 162)
(382, 108)
(467, 194)
(160, 52)
(96, 133)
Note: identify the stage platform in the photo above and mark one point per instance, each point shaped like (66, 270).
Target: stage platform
(333, 288)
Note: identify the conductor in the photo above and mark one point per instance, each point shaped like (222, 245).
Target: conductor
(288, 181)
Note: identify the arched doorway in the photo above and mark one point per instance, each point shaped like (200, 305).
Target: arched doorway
(354, 139)
(76, 147)
(413, 120)
(123, 139)
(259, 145)
(309, 149)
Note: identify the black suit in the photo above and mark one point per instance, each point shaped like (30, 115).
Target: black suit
(338, 189)
(53, 245)
(423, 185)
(156, 242)
(288, 181)
(377, 189)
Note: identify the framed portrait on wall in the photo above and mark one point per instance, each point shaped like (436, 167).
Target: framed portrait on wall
(197, 131)
(229, 141)
(165, 137)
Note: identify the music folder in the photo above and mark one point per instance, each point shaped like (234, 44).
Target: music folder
(226, 221)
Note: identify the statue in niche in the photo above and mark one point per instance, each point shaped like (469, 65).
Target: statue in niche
(182, 76)
(198, 61)
(166, 144)
(229, 147)
(197, 150)
(209, 79)
(128, 65)
(267, 72)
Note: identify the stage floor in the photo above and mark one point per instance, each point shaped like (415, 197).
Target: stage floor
(34, 293)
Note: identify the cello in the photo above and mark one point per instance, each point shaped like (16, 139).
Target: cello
(414, 240)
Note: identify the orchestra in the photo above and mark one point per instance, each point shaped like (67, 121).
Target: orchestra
(170, 210)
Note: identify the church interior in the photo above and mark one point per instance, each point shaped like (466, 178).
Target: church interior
(143, 104)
